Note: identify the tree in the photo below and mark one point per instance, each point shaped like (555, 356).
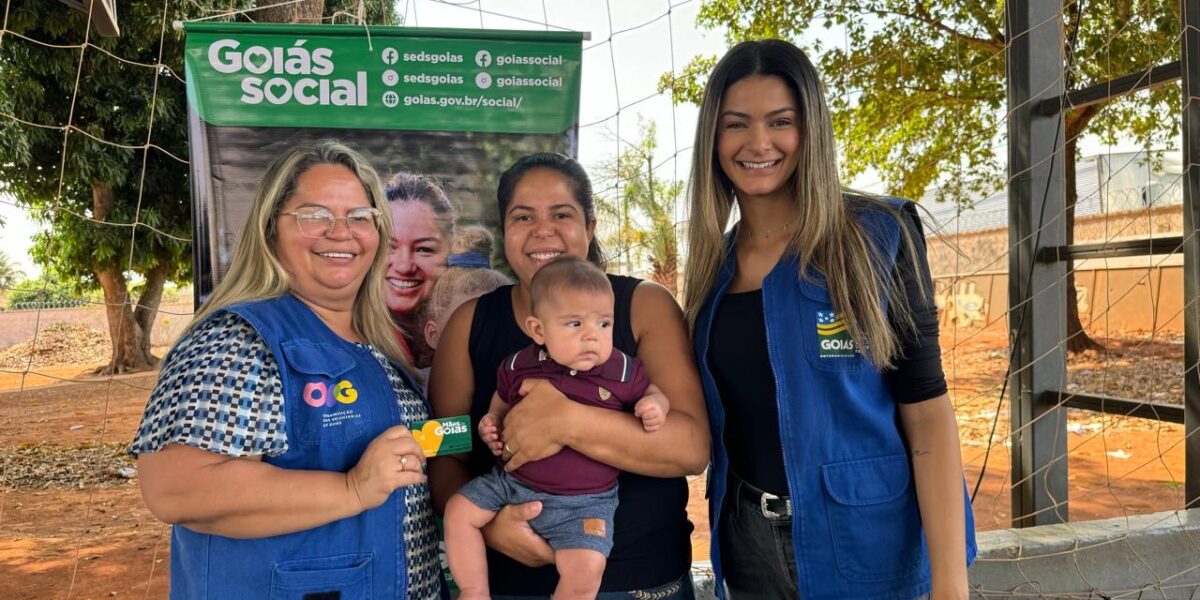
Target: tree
(644, 206)
(375, 12)
(10, 273)
(286, 11)
(918, 92)
(98, 150)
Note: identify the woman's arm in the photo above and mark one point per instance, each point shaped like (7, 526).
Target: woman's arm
(545, 420)
(932, 433)
(451, 386)
(247, 498)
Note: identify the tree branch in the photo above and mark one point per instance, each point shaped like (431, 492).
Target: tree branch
(922, 15)
(148, 302)
(941, 92)
(1076, 120)
(985, 20)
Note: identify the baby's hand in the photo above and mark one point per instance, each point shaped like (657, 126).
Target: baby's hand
(489, 432)
(652, 409)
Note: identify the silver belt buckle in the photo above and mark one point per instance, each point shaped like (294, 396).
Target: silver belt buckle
(770, 514)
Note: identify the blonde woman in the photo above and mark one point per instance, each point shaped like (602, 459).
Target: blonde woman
(836, 470)
(275, 439)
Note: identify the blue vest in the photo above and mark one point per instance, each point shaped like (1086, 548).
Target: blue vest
(337, 399)
(856, 528)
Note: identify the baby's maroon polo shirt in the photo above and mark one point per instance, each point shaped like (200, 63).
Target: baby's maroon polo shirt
(617, 384)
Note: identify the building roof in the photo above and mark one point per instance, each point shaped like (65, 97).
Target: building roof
(1116, 182)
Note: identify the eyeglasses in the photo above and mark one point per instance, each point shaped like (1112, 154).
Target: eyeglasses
(316, 222)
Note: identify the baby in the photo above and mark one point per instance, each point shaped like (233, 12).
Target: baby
(468, 275)
(571, 324)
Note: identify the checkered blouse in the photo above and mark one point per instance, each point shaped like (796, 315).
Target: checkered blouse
(219, 390)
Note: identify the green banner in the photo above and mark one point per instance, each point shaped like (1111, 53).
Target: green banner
(353, 77)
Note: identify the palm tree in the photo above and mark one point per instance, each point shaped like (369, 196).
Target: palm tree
(10, 274)
(644, 208)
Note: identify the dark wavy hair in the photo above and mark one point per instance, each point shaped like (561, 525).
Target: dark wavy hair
(569, 168)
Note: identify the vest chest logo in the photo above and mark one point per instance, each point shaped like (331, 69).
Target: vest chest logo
(317, 394)
(833, 338)
(605, 394)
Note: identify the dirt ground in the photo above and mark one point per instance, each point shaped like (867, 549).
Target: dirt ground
(73, 525)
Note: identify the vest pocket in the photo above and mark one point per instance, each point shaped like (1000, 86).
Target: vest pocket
(325, 405)
(343, 576)
(873, 518)
(826, 340)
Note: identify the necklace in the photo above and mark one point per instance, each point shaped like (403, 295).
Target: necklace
(766, 235)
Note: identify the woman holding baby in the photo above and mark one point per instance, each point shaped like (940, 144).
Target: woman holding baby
(546, 210)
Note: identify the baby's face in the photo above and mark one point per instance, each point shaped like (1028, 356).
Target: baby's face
(576, 327)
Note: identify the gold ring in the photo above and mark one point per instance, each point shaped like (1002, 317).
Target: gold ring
(403, 461)
(509, 449)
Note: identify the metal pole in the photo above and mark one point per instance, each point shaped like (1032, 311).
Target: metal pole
(1189, 16)
(1037, 290)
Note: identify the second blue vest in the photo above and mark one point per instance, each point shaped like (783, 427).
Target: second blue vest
(856, 527)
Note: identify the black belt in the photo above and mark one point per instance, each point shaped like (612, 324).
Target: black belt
(771, 505)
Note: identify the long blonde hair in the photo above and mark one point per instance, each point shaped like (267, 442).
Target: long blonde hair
(256, 273)
(828, 236)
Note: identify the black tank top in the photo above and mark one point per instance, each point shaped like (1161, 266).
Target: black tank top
(651, 544)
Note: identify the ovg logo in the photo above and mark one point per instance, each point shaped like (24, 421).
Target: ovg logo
(833, 338)
(317, 393)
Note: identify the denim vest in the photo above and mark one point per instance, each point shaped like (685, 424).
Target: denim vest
(337, 398)
(856, 528)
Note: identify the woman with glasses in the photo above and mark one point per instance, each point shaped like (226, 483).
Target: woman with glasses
(275, 440)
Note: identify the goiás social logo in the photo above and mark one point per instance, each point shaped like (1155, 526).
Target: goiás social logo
(265, 69)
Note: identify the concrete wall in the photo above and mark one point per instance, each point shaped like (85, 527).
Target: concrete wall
(953, 253)
(20, 325)
(1146, 556)
(1122, 297)
(1121, 294)
(1155, 556)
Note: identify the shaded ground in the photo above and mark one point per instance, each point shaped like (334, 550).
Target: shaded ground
(72, 526)
(1116, 465)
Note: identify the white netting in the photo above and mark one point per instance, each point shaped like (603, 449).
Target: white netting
(74, 525)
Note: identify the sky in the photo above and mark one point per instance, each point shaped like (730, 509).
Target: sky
(632, 43)
(15, 235)
(644, 38)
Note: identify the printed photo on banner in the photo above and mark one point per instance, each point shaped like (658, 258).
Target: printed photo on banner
(440, 113)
